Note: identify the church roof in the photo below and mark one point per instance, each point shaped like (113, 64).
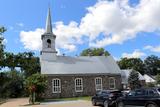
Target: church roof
(80, 65)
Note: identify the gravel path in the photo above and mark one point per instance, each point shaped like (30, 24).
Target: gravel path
(20, 102)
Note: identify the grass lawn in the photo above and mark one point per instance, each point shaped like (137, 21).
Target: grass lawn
(87, 98)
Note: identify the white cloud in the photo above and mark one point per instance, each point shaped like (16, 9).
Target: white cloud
(20, 24)
(32, 39)
(135, 54)
(67, 37)
(116, 21)
(120, 22)
(153, 48)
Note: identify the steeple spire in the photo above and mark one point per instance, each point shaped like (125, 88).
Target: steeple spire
(49, 22)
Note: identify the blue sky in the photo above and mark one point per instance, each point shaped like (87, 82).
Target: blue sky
(126, 29)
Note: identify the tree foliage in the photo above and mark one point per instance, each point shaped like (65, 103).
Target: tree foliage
(133, 80)
(11, 83)
(21, 66)
(150, 84)
(36, 83)
(27, 62)
(132, 63)
(94, 52)
(158, 79)
(2, 30)
(152, 64)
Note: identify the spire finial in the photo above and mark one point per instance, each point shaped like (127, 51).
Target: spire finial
(49, 22)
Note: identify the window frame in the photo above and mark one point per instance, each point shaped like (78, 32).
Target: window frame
(58, 87)
(114, 83)
(81, 85)
(97, 85)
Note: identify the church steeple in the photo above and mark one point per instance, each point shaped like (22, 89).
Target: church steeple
(48, 41)
(49, 22)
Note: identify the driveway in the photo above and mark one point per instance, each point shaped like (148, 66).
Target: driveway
(22, 102)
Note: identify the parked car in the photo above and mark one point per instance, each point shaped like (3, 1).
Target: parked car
(106, 98)
(149, 97)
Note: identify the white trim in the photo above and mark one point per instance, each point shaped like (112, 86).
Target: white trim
(79, 86)
(58, 87)
(114, 83)
(97, 85)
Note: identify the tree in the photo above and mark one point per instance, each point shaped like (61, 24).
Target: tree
(2, 30)
(11, 83)
(133, 80)
(152, 65)
(29, 63)
(150, 84)
(132, 63)
(10, 60)
(158, 79)
(35, 84)
(94, 52)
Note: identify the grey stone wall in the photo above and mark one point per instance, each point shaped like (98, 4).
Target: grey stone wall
(68, 85)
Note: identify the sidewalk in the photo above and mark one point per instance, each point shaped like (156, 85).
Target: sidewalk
(21, 102)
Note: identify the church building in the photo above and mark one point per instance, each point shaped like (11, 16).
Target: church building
(75, 76)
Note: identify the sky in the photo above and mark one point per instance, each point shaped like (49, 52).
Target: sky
(125, 28)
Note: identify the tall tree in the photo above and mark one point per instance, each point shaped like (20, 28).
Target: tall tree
(132, 63)
(95, 52)
(2, 30)
(133, 80)
(152, 65)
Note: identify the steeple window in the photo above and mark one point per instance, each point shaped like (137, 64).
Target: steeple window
(48, 43)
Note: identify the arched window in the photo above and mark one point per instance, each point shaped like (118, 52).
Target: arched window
(48, 43)
(112, 83)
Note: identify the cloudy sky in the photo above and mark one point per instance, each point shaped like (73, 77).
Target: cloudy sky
(126, 28)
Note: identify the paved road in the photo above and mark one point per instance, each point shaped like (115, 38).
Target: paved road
(21, 102)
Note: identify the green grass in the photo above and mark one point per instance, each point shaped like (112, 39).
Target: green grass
(87, 98)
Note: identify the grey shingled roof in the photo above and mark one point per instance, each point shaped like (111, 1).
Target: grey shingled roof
(80, 65)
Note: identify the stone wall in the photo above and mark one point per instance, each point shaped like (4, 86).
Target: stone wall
(68, 85)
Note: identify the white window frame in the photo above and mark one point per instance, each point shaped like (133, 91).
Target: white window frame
(98, 85)
(56, 86)
(114, 83)
(79, 85)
